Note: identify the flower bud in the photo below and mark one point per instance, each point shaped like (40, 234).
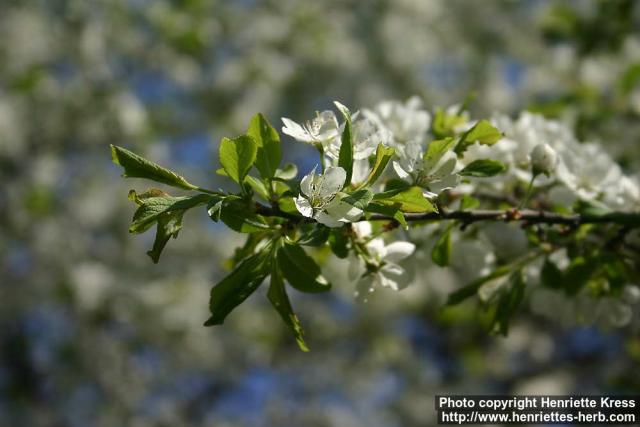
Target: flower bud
(543, 159)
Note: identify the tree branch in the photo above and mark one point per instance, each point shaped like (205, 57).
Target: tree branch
(626, 219)
(630, 220)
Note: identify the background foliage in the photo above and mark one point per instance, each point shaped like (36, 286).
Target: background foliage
(93, 333)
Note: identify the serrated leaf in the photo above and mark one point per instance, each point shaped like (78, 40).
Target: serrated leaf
(136, 166)
(156, 207)
(152, 207)
(168, 226)
(278, 297)
(300, 270)
(383, 155)
(345, 156)
(410, 200)
(269, 153)
(236, 287)
(441, 253)
(360, 198)
(237, 155)
(238, 217)
(483, 168)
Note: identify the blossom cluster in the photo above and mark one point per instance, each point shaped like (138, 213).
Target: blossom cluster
(537, 152)
(581, 171)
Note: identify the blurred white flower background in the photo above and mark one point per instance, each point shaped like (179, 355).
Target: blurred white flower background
(93, 333)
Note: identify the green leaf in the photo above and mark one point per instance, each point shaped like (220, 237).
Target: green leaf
(345, 156)
(396, 184)
(288, 172)
(257, 186)
(237, 155)
(483, 168)
(436, 150)
(168, 226)
(316, 236)
(444, 124)
(339, 242)
(472, 288)
(267, 140)
(246, 250)
(509, 302)
(383, 155)
(237, 286)
(441, 253)
(482, 132)
(152, 208)
(390, 211)
(139, 167)
(239, 217)
(580, 270)
(300, 270)
(360, 198)
(157, 207)
(277, 294)
(550, 275)
(287, 204)
(410, 200)
(630, 78)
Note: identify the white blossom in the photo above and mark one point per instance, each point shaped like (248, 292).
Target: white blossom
(383, 269)
(407, 122)
(321, 198)
(367, 135)
(436, 174)
(320, 130)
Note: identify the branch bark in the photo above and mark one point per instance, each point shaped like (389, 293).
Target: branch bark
(630, 220)
(627, 219)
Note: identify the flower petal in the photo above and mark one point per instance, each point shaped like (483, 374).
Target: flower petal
(306, 185)
(398, 251)
(332, 181)
(362, 229)
(447, 182)
(446, 166)
(397, 167)
(343, 211)
(360, 170)
(303, 206)
(296, 131)
(393, 276)
(325, 219)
